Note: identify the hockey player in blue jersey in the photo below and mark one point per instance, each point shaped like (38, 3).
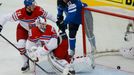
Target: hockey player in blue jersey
(72, 9)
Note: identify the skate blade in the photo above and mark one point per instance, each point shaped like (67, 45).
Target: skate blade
(27, 70)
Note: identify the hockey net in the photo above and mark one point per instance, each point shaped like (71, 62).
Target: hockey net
(109, 29)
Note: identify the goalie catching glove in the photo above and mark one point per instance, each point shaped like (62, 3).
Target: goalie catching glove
(37, 52)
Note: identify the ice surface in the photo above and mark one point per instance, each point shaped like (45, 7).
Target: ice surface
(10, 60)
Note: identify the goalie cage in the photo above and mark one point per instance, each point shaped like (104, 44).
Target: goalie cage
(109, 29)
(105, 20)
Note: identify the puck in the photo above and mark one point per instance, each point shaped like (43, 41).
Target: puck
(118, 67)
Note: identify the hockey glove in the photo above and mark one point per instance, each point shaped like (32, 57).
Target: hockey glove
(61, 25)
(61, 3)
(60, 18)
(37, 52)
(1, 27)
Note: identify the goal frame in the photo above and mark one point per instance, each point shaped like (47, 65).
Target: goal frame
(102, 12)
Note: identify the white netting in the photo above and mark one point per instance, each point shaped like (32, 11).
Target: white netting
(109, 30)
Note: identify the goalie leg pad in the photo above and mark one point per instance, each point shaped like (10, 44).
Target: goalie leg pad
(62, 65)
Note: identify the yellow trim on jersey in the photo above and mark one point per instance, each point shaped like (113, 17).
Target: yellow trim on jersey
(125, 4)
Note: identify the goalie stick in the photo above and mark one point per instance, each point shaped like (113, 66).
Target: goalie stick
(50, 73)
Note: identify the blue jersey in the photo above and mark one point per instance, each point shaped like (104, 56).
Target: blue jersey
(72, 11)
(62, 9)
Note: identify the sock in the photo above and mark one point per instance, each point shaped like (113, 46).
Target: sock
(72, 42)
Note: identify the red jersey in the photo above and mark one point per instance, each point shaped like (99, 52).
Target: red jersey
(36, 34)
(60, 51)
(25, 20)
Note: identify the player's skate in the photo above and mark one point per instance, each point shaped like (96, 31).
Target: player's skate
(25, 67)
(71, 53)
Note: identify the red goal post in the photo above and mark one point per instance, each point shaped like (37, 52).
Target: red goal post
(102, 12)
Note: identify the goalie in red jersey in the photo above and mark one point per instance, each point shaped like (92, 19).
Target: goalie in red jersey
(43, 40)
(45, 37)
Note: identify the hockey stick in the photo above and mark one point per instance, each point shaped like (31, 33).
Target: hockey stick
(27, 56)
(92, 54)
(34, 67)
(0, 4)
(88, 29)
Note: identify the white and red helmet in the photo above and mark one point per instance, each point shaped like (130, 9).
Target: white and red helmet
(41, 23)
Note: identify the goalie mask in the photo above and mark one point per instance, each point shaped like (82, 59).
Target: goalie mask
(127, 52)
(41, 24)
